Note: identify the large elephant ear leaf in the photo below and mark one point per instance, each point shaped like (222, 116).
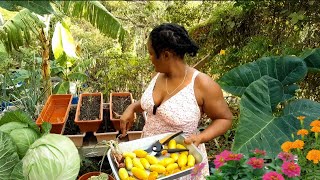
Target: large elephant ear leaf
(258, 127)
(287, 69)
(303, 107)
(312, 59)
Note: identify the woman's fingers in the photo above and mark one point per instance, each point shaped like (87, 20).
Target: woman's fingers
(123, 127)
(192, 139)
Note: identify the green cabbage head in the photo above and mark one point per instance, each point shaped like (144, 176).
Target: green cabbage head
(51, 157)
(21, 134)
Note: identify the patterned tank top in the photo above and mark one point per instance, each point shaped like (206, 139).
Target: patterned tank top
(179, 112)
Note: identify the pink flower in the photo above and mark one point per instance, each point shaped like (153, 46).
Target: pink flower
(219, 161)
(272, 176)
(234, 157)
(285, 156)
(256, 163)
(290, 169)
(221, 158)
(196, 171)
(225, 153)
(259, 152)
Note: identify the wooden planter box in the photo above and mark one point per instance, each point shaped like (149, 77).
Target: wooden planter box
(93, 124)
(116, 120)
(77, 139)
(106, 136)
(133, 135)
(55, 111)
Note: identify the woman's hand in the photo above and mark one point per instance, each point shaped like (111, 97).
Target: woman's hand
(194, 138)
(126, 121)
(127, 118)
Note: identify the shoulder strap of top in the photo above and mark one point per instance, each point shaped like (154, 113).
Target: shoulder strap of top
(194, 76)
(154, 79)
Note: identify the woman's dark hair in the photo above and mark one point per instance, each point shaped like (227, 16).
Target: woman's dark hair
(173, 37)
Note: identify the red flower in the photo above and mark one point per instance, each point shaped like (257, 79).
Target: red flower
(219, 161)
(285, 156)
(259, 152)
(272, 176)
(290, 169)
(256, 163)
(234, 157)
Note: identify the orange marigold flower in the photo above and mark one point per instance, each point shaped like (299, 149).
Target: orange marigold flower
(315, 129)
(315, 123)
(286, 146)
(297, 144)
(301, 118)
(314, 155)
(302, 132)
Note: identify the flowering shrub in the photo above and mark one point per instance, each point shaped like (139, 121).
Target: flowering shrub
(307, 148)
(229, 165)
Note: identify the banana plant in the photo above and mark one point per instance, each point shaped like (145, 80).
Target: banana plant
(34, 19)
(68, 63)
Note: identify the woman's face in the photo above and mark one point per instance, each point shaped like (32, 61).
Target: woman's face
(155, 61)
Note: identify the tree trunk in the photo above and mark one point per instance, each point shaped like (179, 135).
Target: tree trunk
(45, 69)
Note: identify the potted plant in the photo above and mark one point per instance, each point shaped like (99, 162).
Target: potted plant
(119, 101)
(71, 130)
(89, 112)
(55, 111)
(96, 175)
(106, 129)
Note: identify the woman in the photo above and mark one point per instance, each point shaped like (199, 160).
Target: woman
(178, 94)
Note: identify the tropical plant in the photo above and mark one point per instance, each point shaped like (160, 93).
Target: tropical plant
(306, 146)
(262, 85)
(19, 27)
(66, 65)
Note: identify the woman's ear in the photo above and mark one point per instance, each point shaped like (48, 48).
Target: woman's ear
(167, 54)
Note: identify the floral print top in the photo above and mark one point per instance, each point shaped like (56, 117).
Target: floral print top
(178, 113)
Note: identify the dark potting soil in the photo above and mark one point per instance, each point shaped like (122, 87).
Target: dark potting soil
(90, 108)
(139, 123)
(71, 128)
(120, 103)
(106, 124)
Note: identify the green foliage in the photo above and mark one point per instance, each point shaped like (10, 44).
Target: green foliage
(9, 157)
(95, 13)
(288, 70)
(18, 30)
(258, 127)
(39, 7)
(262, 85)
(311, 57)
(22, 87)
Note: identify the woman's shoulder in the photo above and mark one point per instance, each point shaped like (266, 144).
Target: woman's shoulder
(204, 82)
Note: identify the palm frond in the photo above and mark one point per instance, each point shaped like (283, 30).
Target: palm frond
(95, 13)
(38, 7)
(17, 31)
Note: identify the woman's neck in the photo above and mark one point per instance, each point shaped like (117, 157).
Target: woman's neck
(177, 70)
